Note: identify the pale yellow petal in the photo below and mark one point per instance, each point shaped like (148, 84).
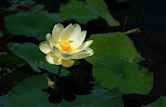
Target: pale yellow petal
(49, 40)
(84, 46)
(44, 47)
(66, 55)
(66, 32)
(78, 40)
(83, 54)
(53, 59)
(67, 63)
(48, 37)
(76, 33)
(90, 51)
(49, 59)
(56, 28)
(56, 33)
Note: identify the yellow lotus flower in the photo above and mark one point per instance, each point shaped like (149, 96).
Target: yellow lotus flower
(65, 45)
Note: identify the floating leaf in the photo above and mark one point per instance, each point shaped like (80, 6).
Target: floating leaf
(29, 24)
(29, 94)
(99, 7)
(117, 72)
(78, 11)
(83, 12)
(115, 64)
(116, 43)
(161, 102)
(33, 56)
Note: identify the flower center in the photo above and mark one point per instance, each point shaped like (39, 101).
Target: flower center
(65, 46)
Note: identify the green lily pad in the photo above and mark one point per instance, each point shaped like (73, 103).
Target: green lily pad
(99, 7)
(78, 11)
(115, 43)
(84, 12)
(117, 72)
(161, 102)
(30, 53)
(29, 24)
(115, 64)
(29, 94)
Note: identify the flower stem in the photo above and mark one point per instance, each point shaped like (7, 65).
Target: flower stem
(59, 71)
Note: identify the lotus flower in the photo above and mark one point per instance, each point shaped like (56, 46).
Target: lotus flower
(65, 45)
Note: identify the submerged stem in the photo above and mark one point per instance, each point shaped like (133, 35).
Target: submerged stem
(59, 71)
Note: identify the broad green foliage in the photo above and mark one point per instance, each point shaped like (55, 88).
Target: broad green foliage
(37, 24)
(116, 43)
(115, 64)
(116, 72)
(78, 11)
(29, 94)
(33, 56)
(161, 102)
(30, 24)
(100, 8)
(83, 12)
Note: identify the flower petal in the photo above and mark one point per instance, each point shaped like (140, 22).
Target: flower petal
(44, 47)
(49, 59)
(75, 33)
(53, 59)
(65, 55)
(49, 40)
(56, 32)
(66, 32)
(83, 54)
(84, 46)
(67, 63)
(81, 38)
(48, 37)
(77, 41)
